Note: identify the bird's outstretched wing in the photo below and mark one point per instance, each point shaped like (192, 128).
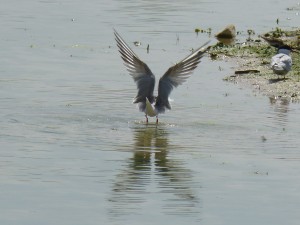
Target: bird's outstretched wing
(177, 75)
(139, 71)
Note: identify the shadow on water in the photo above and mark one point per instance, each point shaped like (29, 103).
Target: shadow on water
(152, 181)
(281, 109)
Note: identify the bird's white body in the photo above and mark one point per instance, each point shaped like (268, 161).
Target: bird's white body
(150, 109)
(281, 63)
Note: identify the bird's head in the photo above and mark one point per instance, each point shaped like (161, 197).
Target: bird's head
(284, 49)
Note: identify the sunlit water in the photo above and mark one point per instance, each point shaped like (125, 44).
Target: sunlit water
(74, 150)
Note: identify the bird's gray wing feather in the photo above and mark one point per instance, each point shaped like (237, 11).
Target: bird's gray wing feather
(176, 75)
(139, 71)
(287, 62)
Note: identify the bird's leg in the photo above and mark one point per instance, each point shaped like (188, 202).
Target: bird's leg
(146, 118)
(156, 120)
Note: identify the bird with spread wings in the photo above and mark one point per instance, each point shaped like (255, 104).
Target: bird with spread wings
(145, 80)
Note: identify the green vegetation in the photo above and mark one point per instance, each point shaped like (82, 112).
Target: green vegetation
(254, 49)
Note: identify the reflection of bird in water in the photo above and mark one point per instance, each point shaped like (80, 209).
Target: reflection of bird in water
(145, 79)
(281, 109)
(150, 144)
(151, 170)
(281, 63)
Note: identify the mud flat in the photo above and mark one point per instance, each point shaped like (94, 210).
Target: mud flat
(251, 60)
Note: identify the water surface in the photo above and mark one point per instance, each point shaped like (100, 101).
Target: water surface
(74, 150)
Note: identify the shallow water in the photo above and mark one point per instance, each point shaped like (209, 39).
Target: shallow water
(74, 150)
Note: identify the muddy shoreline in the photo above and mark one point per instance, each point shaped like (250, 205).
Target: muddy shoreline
(251, 60)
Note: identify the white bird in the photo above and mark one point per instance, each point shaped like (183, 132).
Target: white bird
(281, 63)
(145, 80)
